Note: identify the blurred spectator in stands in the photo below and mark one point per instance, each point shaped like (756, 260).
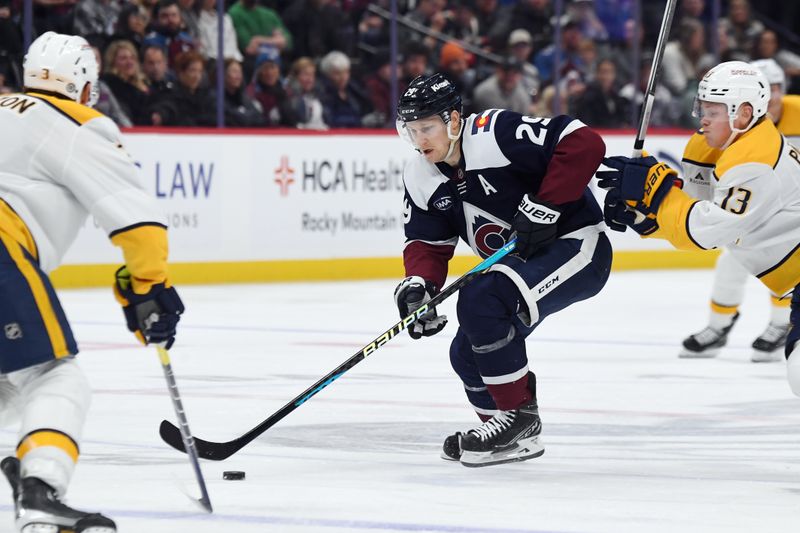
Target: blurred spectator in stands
(267, 89)
(520, 46)
(379, 88)
(256, 26)
(241, 111)
(208, 23)
(463, 23)
(531, 15)
(571, 38)
(344, 103)
(431, 14)
(154, 66)
(601, 105)
(168, 31)
(317, 27)
(691, 9)
(615, 15)
(11, 48)
(454, 63)
(661, 112)
(415, 58)
(504, 89)
(571, 87)
(188, 103)
(53, 15)
(148, 10)
(373, 30)
(304, 94)
(107, 103)
(587, 51)
(487, 13)
(131, 26)
(96, 18)
(685, 59)
(742, 28)
(123, 75)
(767, 46)
(190, 12)
(726, 53)
(583, 12)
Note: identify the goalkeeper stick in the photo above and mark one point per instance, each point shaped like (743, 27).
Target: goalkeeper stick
(652, 82)
(183, 434)
(218, 451)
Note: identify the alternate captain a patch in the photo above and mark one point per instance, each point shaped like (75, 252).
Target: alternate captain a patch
(484, 122)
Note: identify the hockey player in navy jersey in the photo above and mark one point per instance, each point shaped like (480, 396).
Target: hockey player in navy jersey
(486, 178)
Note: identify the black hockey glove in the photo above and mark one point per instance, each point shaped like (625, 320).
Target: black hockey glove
(412, 293)
(535, 224)
(642, 180)
(153, 316)
(619, 215)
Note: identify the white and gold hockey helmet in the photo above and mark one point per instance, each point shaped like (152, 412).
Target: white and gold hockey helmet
(773, 71)
(61, 64)
(735, 83)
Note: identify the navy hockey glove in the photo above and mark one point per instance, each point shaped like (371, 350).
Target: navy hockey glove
(152, 316)
(642, 180)
(535, 225)
(412, 293)
(619, 215)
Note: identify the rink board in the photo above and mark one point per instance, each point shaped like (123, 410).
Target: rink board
(292, 205)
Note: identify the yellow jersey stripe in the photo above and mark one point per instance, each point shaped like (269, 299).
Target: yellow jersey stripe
(780, 301)
(784, 276)
(15, 227)
(723, 309)
(673, 220)
(40, 296)
(761, 144)
(48, 437)
(145, 249)
(74, 111)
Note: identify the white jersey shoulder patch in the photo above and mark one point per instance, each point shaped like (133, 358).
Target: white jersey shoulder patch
(421, 180)
(480, 142)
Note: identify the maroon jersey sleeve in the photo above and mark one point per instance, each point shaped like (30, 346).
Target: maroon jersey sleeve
(575, 160)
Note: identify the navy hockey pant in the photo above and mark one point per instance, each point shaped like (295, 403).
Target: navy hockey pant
(794, 320)
(499, 309)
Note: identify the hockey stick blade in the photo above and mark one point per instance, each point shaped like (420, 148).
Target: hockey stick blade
(219, 451)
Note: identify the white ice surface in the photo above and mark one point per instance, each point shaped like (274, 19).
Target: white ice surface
(636, 439)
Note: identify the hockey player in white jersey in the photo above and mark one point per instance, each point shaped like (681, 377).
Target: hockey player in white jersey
(741, 192)
(730, 277)
(60, 162)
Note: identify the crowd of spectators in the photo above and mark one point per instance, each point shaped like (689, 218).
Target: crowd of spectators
(322, 64)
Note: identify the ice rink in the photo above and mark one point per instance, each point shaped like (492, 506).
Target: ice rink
(636, 440)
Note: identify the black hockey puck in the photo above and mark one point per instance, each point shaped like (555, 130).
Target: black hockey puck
(233, 475)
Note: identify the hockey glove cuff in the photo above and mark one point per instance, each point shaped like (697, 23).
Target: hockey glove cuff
(411, 294)
(535, 224)
(153, 317)
(642, 180)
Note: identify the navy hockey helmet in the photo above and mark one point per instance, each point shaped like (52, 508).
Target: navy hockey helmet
(427, 96)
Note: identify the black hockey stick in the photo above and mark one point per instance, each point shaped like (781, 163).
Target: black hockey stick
(652, 82)
(218, 451)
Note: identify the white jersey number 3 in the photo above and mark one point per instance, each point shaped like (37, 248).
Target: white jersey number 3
(526, 130)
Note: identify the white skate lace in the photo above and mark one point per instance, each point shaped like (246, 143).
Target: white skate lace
(707, 336)
(774, 333)
(495, 425)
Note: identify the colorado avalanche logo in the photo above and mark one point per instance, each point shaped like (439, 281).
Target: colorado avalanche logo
(486, 233)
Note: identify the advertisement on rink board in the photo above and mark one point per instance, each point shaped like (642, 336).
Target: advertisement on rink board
(261, 197)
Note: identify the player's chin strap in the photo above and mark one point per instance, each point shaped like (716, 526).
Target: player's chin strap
(453, 138)
(735, 131)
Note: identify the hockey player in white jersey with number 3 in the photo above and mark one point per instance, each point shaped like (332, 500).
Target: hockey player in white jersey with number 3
(61, 161)
(748, 200)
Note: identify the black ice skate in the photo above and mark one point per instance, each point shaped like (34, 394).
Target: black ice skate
(507, 437)
(767, 347)
(451, 449)
(706, 343)
(38, 509)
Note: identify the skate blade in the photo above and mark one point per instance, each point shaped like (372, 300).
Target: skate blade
(46, 528)
(705, 354)
(767, 357)
(525, 449)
